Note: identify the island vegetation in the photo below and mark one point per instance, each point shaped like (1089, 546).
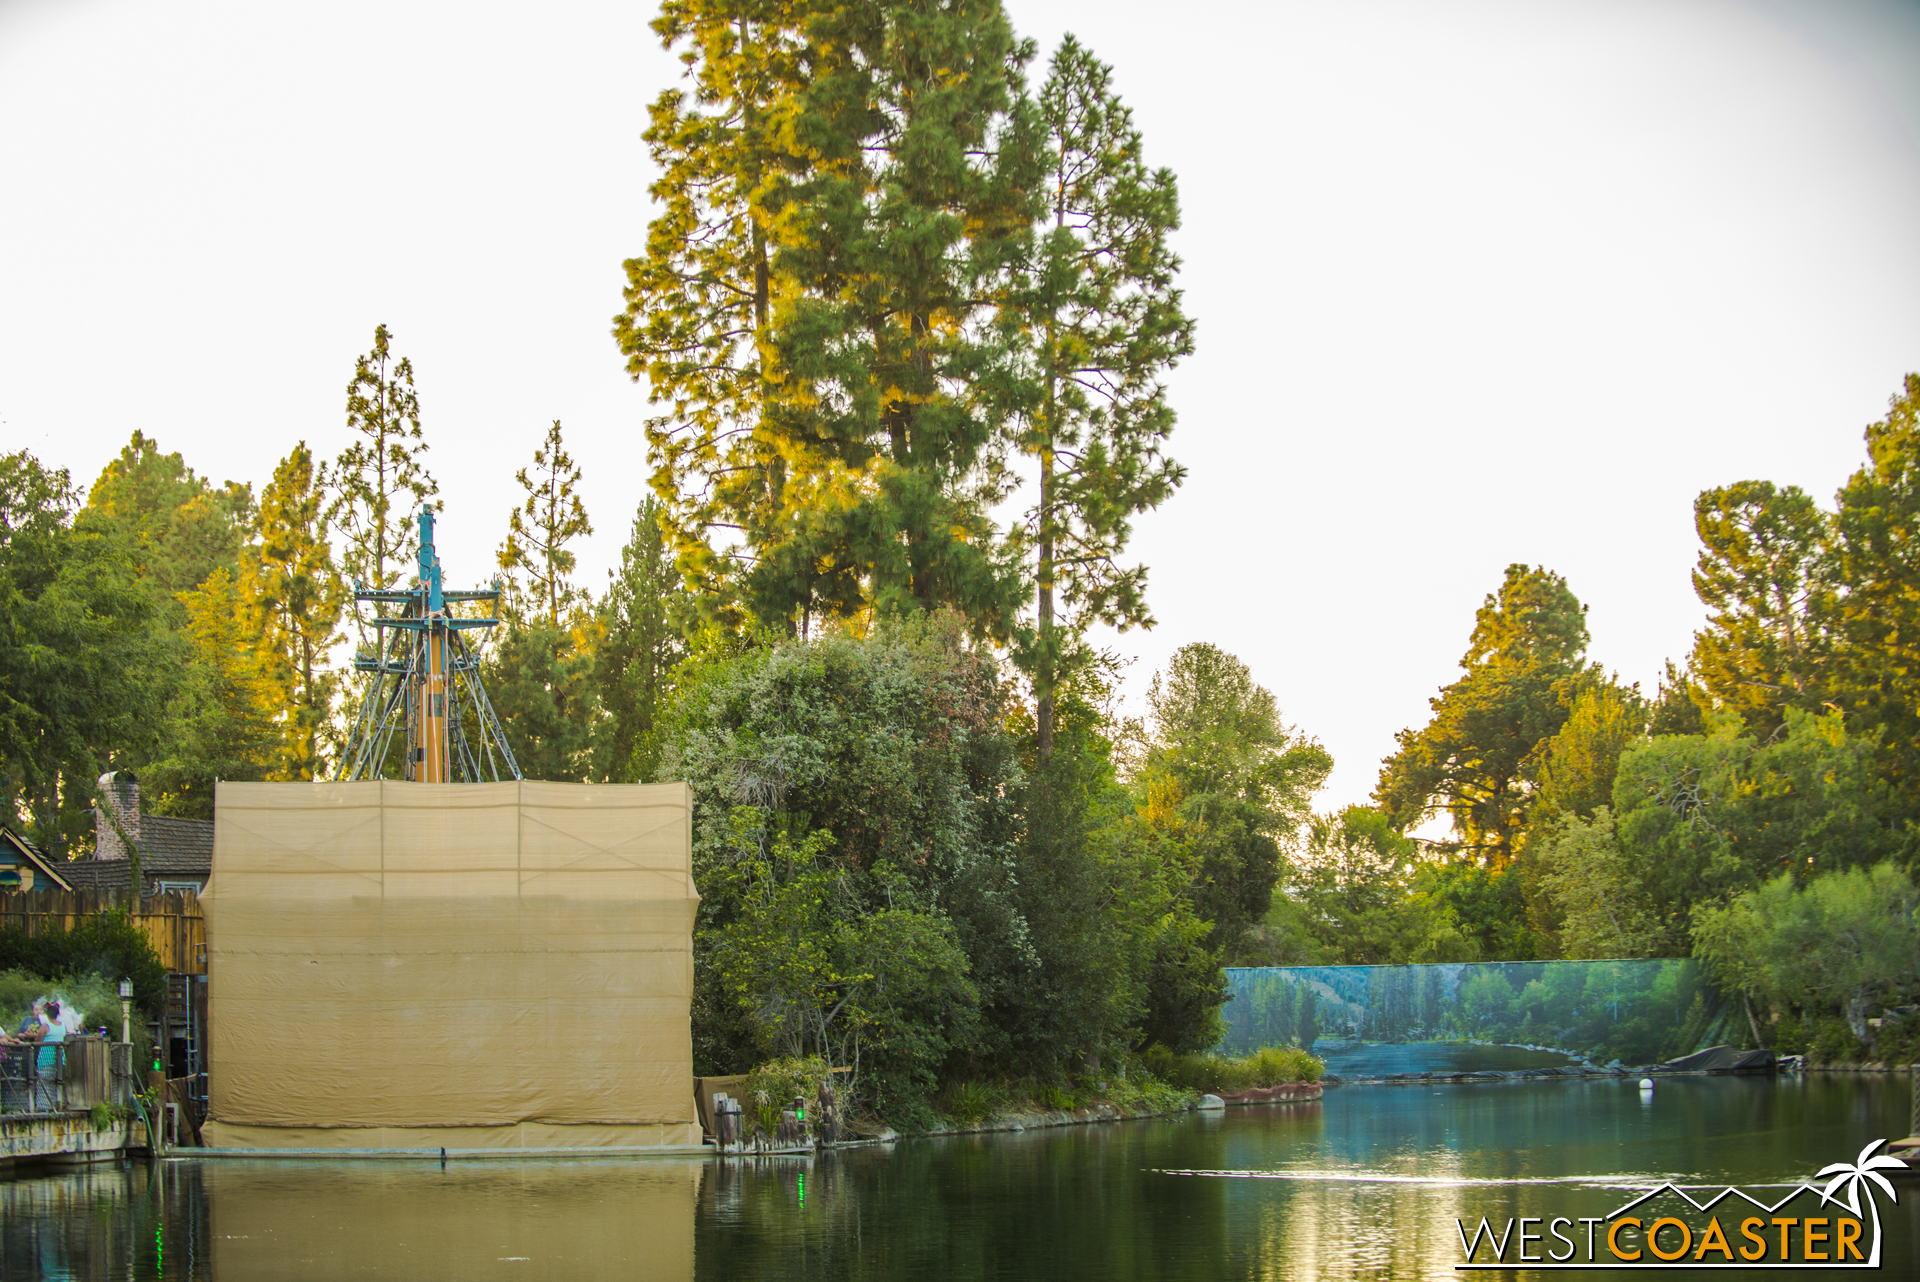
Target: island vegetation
(906, 311)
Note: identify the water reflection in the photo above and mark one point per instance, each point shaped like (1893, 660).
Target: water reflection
(1364, 1185)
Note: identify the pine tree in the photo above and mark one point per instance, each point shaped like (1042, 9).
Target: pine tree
(539, 530)
(1105, 323)
(699, 301)
(1761, 573)
(890, 384)
(820, 303)
(298, 598)
(381, 479)
(542, 671)
(1875, 560)
(641, 641)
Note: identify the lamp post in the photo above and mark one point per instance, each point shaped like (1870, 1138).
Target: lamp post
(126, 1010)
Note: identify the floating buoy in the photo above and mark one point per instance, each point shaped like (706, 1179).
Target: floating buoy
(1646, 1083)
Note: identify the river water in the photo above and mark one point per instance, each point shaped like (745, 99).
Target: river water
(1365, 1184)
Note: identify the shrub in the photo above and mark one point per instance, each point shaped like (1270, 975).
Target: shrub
(971, 1103)
(1834, 1043)
(1220, 1075)
(772, 1086)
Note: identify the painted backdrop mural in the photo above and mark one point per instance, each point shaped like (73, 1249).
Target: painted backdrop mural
(1633, 1012)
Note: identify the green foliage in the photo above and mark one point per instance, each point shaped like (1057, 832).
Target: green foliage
(1487, 907)
(177, 526)
(640, 645)
(1185, 988)
(1477, 758)
(699, 301)
(816, 303)
(541, 681)
(1875, 608)
(853, 812)
(1582, 760)
(84, 676)
(1843, 939)
(1703, 817)
(1597, 895)
(545, 678)
(1356, 897)
(971, 1103)
(1103, 892)
(104, 949)
(1243, 780)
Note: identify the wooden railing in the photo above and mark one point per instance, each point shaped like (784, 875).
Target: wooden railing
(172, 920)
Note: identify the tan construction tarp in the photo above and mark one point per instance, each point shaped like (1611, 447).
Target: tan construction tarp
(413, 1222)
(407, 965)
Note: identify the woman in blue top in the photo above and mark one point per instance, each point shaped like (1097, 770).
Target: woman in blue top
(55, 1034)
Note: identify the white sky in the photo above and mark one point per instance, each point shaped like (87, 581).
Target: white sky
(1476, 281)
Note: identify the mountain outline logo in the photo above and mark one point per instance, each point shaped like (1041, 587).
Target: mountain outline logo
(1629, 1242)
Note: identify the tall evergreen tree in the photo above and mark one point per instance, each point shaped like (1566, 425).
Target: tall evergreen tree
(1761, 574)
(889, 383)
(381, 478)
(843, 201)
(1104, 320)
(1477, 757)
(1876, 563)
(298, 600)
(539, 530)
(543, 664)
(699, 302)
(640, 643)
(83, 681)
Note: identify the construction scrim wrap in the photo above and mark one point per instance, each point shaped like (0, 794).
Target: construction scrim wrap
(410, 965)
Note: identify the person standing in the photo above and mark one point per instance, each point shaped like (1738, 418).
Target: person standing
(56, 1033)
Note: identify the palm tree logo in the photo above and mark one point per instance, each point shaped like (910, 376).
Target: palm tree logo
(1855, 1175)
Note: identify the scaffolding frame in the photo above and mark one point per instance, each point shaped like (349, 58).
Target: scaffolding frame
(426, 686)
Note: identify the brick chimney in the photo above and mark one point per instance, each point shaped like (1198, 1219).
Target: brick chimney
(120, 799)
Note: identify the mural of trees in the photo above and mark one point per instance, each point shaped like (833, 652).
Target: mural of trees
(1637, 1011)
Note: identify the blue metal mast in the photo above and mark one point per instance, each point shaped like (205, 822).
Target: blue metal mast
(426, 682)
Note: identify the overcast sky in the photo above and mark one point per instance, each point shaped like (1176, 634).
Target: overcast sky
(1476, 281)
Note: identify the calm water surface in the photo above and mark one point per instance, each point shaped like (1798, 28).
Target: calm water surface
(1363, 1185)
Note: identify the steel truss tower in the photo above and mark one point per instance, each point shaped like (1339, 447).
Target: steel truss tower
(426, 683)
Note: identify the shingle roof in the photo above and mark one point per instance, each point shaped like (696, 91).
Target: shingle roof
(176, 845)
(170, 849)
(98, 874)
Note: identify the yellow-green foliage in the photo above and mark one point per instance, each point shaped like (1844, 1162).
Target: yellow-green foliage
(1219, 1075)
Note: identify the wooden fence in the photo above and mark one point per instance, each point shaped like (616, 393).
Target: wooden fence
(171, 920)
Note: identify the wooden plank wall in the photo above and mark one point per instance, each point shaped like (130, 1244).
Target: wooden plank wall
(171, 920)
